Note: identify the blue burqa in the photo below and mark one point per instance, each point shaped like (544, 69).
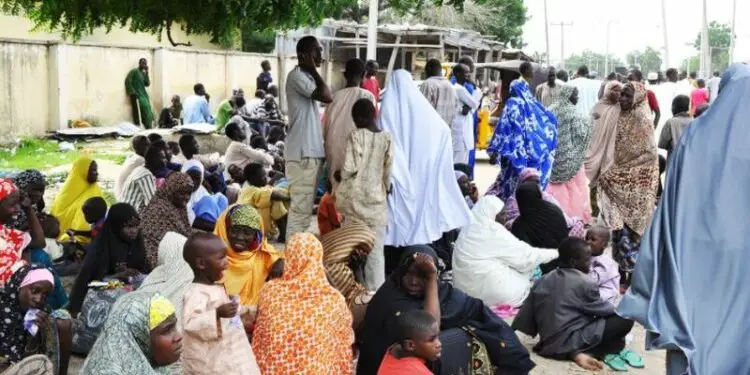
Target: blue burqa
(690, 286)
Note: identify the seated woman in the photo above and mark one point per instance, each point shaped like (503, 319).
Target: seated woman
(140, 336)
(172, 275)
(117, 253)
(303, 306)
(166, 213)
(139, 188)
(80, 185)
(541, 224)
(32, 182)
(50, 333)
(196, 171)
(251, 259)
(490, 263)
(573, 322)
(13, 242)
(207, 211)
(414, 285)
(345, 252)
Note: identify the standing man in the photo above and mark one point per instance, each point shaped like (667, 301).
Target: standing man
(439, 91)
(588, 91)
(371, 82)
(462, 127)
(304, 151)
(713, 87)
(135, 85)
(547, 92)
(264, 78)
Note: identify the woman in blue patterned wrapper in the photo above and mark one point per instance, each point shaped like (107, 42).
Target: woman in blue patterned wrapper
(525, 137)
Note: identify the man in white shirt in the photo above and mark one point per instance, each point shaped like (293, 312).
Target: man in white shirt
(140, 144)
(588, 90)
(304, 151)
(713, 87)
(462, 126)
(239, 153)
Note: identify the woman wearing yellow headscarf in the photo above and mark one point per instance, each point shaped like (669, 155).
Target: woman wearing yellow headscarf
(251, 259)
(78, 188)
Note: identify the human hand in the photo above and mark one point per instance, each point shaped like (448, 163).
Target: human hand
(227, 310)
(277, 270)
(25, 200)
(425, 264)
(474, 193)
(71, 233)
(41, 319)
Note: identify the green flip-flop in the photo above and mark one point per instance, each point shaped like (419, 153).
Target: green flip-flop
(632, 359)
(615, 362)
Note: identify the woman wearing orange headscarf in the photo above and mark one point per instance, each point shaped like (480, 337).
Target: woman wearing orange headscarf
(304, 325)
(80, 185)
(251, 259)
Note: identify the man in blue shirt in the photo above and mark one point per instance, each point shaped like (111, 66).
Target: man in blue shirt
(195, 109)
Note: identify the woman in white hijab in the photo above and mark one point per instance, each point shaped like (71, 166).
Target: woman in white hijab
(172, 274)
(425, 200)
(192, 168)
(490, 263)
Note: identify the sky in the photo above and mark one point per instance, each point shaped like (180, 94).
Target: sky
(634, 24)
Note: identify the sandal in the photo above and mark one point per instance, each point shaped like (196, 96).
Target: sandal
(632, 359)
(615, 362)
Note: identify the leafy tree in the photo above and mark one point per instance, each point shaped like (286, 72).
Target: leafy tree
(502, 20)
(223, 20)
(593, 60)
(258, 41)
(540, 57)
(649, 60)
(719, 38)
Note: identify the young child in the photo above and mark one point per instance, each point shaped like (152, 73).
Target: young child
(51, 227)
(214, 340)
(604, 270)
(95, 212)
(573, 322)
(328, 217)
(418, 343)
(270, 203)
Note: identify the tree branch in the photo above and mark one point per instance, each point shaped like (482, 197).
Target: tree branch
(169, 37)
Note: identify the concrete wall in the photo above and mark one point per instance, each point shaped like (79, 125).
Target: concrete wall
(44, 84)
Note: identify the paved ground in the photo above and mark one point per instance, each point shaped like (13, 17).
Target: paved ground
(485, 175)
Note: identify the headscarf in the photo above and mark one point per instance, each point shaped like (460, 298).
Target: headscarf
(302, 301)
(161, 215)
(525, 136)
(422, 171)
(210, 207)
(172, 275)
(490, 263)
(23, 180)
(199, 193)
(541, 223)
(338, 246)
(124, 345)
(110, 253)
(700, 232)
(13, 343)
(68, 204)
(13, 240)
(601, 154)
(573, 136)
(248, 270)
(457, 310)
(37, 275)
(626, 192)
(511, 205)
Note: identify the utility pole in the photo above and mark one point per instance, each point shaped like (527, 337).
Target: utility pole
(372, 31)
(562, 26)
(664, 30)
(546, 30)
(705, 65)
(731, 41)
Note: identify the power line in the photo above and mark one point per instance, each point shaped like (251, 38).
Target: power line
(562, 26)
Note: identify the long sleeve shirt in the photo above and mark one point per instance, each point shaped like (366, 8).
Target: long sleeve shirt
(196, 110)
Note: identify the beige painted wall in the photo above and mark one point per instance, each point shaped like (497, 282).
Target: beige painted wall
(20, 28)
(24, 101)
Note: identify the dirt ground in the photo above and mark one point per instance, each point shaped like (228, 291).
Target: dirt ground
(485, 175)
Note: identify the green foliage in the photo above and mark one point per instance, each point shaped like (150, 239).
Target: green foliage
(42, 154)
(649, 60)
(258, 41)
(593, 60)
(719, 40)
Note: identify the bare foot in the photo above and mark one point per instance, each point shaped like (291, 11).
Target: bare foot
(588, 362)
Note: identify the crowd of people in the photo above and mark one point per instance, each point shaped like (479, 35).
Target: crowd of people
(351, 241)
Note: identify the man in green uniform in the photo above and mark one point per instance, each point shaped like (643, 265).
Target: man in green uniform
(135, 85)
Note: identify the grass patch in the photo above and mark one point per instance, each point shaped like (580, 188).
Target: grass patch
(43, 154)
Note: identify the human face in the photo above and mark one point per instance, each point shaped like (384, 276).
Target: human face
(181, 198)
(142, 64)
(34, 296)
(166, 342)
(241, 236)
(316, 53)
(193, 147)
(614, 94)
(551, 77)
(93, 174)
(215, 261)
(413, 281)
(574, 97)
(131, 229)
(266, 66)
(626, 98)
(10, 207)
(236, 173)
(597, 242)
(274, 91)
(35, 192)
(465, 185)
(584, 264)
(427, 345)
